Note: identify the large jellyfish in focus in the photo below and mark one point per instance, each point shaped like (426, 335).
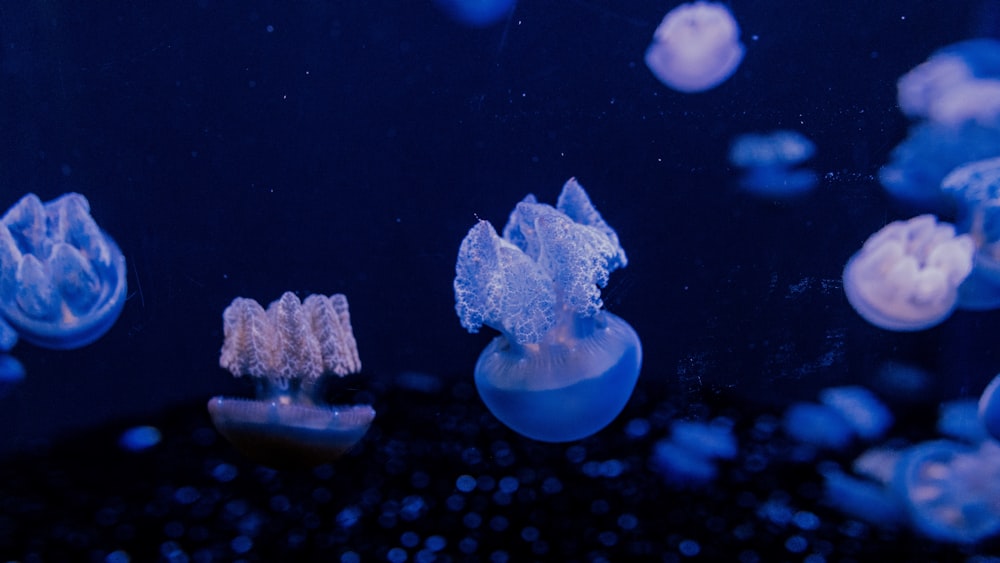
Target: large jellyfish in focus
(288, 349)
(954, 97)
(562, 367)
(769, 161)
(906, 276)
(62, 279)
(477, 13)
(696, 47)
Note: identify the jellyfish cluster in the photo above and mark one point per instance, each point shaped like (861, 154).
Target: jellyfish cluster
(288, 349)
(912, 274)
(696, 47)
(769, 160)
(947, 489)
(562, 367)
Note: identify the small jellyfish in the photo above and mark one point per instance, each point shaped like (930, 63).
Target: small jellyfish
(696, 47)
(62, 279)
(989, 408)
(288, 349)
(975, 187)
(954, 98)
(769, 161)
(688, 458)
(817, 425)
(906, 276)
(562, 367)
(867, 416)
(476, 13)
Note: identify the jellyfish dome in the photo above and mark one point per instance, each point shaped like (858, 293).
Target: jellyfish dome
(906, 276)
(287, 350)
(62, 279)
(989, 408)
(562, 367)
(696, 47)
(769, 161)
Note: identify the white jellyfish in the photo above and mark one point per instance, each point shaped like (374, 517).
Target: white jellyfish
(696, 47)
(906, 276)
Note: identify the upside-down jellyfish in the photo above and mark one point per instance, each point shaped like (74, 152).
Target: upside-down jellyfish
(562, 367)
(955, 98)
(62, 279)
(696, 47)
(769, 161)
(906, 276)
(975, 187)
(476, 13)
(288, 349)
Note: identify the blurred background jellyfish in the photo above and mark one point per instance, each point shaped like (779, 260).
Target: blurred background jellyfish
(562, 368)
(975, 187)
(989, 408)
(477, 13)
(288, 349)
(769, 160)
(696, 47)
(62, 279)
(689, 457)
(906, 276)
(954, 98)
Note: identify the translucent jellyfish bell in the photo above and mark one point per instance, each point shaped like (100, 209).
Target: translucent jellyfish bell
(770, 160)
(562, 368)
(696, 47)
(62, 279)
(288, 349)
(976, 188)
(906, 276)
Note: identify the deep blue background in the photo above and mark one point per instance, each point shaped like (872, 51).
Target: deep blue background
(245, 148)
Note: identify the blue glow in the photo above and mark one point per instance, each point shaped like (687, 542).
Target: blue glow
(868, 417)
(139, 438)
(11, 373)
(63, 282)
(906, 276)
(477, 13)
(817, 425)
(696, 47)
(989, 408)
(8, 336)
(769, 160)
(562, 367)
(688, 457)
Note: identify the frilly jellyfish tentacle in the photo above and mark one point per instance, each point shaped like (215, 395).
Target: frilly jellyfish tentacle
(288, 349)
(906, 276)
(562, 368)
(62, 279)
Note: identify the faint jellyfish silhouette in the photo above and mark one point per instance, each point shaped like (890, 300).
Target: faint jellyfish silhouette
(989, 408)
(955, 99)
(288, 349)
(696, 47)
(976, 188)
(562, 368)
(688, 458)
(62, 279)
(769, 161)
(906, 276)
(11, 374)
(476, 13)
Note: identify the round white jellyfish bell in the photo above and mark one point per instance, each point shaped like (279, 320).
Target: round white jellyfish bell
(906, 276)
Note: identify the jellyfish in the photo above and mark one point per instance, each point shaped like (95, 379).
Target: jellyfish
(562, 368)
(688, 458)
(62, 279)
(477, 13)
(867, 416)
(769, 161)
(989, 408)
(696, 47)
(975, 187)
(954, 99)
(289, 349)
(906, 276)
